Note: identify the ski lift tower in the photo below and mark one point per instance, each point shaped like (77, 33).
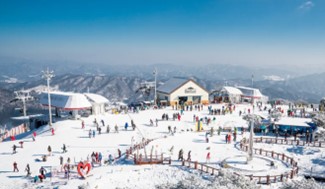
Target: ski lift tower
(24, 97)
(48, 75)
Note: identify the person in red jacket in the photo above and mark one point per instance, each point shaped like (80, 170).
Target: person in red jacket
(34, 135)
(15, 167)
(208, 157)
(52, 130)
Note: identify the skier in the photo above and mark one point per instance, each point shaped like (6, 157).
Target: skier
(61, 160)
(219, 130)
(180, 155)
(14, 147)
(42, 171)
(103, 123)
(27, 169)
(151, 122)
(94, 133)
(116, 129)
(100, 157)
(107, 129)
(169, 129)
(132, 124)
(89, 133)
(99, 130)
(208, 158)
(110, 159)
(15, 167)
(49, 149)
(64, 148)
(119, 153)
(34, 135)
(52, 130)
(189, 156)
(226, 138)
(229, 138)
(211, 131)
(126, 126)
(82, 124)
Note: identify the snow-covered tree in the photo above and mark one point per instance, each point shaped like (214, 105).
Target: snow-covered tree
(302, 184)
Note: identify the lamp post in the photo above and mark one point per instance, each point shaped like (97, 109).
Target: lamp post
(48, 75)
(250, 146)
(155, 97)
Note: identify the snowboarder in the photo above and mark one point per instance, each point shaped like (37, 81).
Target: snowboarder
(27, 169)
(15, 167)
(49, 149)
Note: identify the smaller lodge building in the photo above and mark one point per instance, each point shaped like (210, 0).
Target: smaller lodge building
(239, 94)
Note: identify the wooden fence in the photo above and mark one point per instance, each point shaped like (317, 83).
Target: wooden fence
(320, 144)
(274, 155)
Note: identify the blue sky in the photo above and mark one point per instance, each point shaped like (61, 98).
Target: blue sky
(250, 32)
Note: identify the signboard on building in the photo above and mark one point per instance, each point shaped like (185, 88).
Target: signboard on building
(190, 90)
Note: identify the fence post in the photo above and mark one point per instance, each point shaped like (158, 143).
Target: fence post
(281, 178)
(268, 179)
(282, 157)
(272, 154)
(261, 151)
(183, 163)
(291, 174)
(195, 165)
(170, 161)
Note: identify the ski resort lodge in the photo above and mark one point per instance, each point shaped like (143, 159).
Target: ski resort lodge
(74, 102)
(178, 91)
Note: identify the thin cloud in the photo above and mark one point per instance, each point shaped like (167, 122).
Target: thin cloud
(306, 6)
